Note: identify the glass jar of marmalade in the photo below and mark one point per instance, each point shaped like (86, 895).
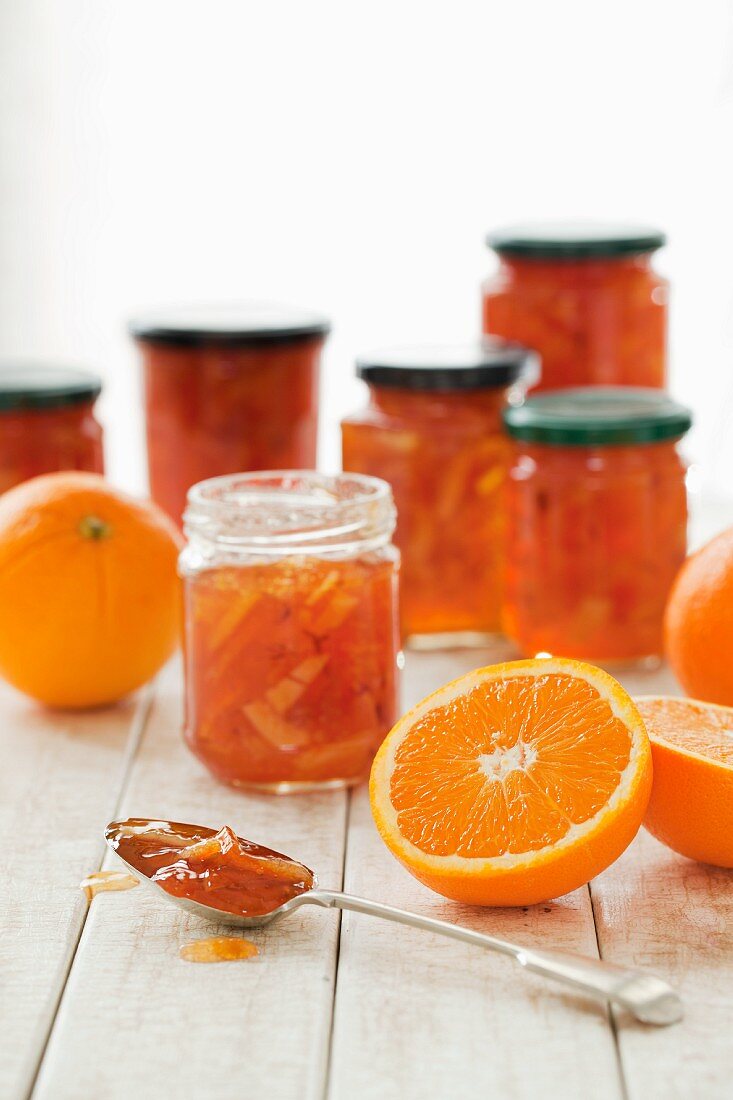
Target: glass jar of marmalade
(291, 643)
(597, 520)
(47, 422)
(433, 430)
(228, 389)
(586, 297)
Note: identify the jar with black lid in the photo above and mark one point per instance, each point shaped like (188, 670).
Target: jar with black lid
(432, 429)
(228, 389)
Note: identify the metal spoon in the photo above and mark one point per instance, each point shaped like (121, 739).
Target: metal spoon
(647, 997)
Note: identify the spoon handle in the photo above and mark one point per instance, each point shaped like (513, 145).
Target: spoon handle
(647, 997)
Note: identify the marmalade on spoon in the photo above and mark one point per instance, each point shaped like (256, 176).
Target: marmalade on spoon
(218, 869)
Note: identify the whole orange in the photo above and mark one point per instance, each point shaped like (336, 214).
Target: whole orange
(698, 623)
(89, 594)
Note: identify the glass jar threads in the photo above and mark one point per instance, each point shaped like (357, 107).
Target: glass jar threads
(47, 422)
(291, 644)
(228, 389)
(586, 297)
(597, 518)
(433, 430)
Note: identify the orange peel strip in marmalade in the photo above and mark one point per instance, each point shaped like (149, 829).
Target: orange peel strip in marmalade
(514, 784)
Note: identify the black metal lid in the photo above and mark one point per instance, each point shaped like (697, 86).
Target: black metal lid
(35, 386)
(234, 324)
(574, 240)
(482, 365)
(598, 415)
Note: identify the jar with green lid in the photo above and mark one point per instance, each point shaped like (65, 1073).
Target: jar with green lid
(596, 519)
(47, 422)
(586, 296)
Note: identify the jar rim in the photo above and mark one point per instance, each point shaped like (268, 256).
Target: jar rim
(290, 511)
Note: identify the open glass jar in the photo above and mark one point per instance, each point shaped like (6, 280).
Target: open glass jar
(228, 389)
(47, 422)
(291, 642)
(586, 297)
(433, 430)
(597, 522)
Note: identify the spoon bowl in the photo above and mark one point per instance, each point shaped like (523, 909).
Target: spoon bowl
(117, 831)
(650, 999)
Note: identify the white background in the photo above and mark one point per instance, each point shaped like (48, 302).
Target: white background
(350, 157)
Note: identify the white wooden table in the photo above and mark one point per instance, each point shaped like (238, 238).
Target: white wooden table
(96, 1002)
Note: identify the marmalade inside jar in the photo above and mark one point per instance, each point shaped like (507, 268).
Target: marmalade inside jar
(445, 456)
(596, 536)
(214, 410)
(45, 440)
(291, 667)
(600, 321)
(217, 869)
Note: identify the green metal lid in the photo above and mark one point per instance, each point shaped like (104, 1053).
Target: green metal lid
(574, 240)
(597, 416)
(34, 386)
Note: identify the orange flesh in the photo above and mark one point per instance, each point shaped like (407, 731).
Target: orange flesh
(507, 768)
(691, 807)
(291, 668)
(694, 727)
(218, 949)
(445, 456)
(597, 536)
(594, 322)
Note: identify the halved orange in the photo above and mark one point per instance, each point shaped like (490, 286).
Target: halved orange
(514, 784)
(691, 807)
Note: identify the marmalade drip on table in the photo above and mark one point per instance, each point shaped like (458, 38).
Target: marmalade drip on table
(214, 868)
(215, 949)
(104, 882)
(290, 634)
(586, 298)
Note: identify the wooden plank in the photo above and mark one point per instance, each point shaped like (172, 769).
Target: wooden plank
(418, 1016)
(138, 1021)
(59, 782)
(654, 908)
